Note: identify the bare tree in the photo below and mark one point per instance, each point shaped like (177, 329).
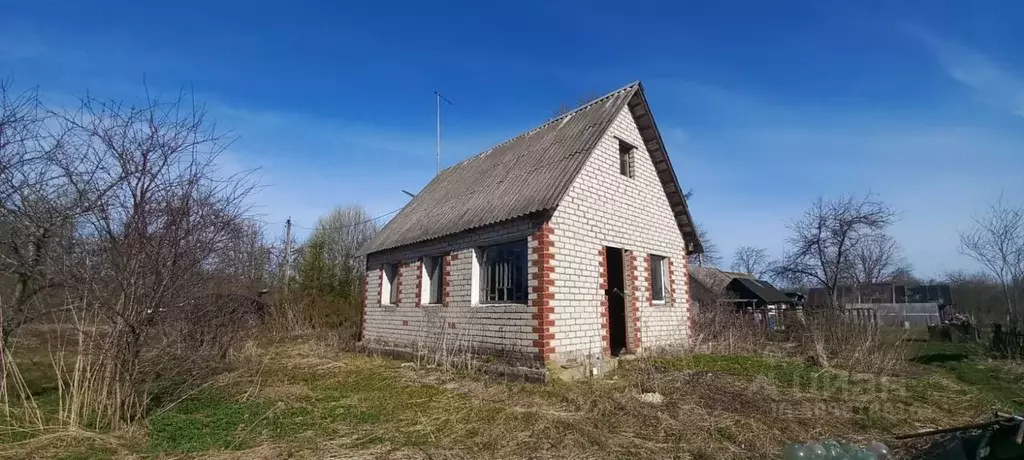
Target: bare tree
(826, 239)
(822, 247)
(166, 219)
(877, 259)
(46, 185)
(752, 260)
(997, 242)
(711, 255)
(330, 261)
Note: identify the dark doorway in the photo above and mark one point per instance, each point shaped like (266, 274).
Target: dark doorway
(616, 296)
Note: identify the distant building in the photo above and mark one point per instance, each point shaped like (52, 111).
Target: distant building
(891, 304)
(884, 293)
(711, 286)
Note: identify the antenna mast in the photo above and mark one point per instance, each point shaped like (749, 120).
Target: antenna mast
(439, 99)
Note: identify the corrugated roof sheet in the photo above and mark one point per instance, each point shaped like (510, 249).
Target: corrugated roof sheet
(763, 289)
(524, 175)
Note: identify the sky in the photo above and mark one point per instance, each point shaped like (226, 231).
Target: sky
(764, 106)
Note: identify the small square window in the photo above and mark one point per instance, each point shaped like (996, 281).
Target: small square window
(433, 277)
(659, 270)
(626, 158)
(389, 284)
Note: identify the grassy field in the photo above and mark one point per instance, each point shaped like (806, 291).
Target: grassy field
(305, 399)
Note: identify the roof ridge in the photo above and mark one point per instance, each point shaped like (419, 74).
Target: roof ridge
(631, 85)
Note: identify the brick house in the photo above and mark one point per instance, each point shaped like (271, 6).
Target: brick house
(563, 246)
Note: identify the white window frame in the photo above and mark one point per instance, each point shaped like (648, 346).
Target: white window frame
(507, 272)
(388, 280)
(427, 288)
(661, 263)
(474, 279)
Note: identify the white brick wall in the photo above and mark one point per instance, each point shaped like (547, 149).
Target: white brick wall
(604, 208)
(506, 330)
(601, 208)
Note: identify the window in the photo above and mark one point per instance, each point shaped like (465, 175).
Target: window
(658, 272)
(503, 272)
(389, 284)
(626, 160)
(433, 279)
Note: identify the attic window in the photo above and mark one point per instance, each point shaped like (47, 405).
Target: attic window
(626, 160)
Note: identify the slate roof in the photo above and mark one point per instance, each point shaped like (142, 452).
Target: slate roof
(716, 281)
(763, 289)
(527, 174)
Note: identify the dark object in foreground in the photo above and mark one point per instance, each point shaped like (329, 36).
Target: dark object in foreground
(998, 439)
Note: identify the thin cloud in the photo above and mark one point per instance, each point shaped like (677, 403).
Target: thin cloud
(760, 164)
(995, 83)
(309, 165)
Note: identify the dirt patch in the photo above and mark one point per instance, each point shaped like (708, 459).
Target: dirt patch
(286, 392)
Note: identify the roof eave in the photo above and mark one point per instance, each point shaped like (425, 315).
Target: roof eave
(663, 165)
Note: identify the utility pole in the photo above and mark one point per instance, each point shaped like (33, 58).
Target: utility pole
(287, 252)
(439, 99)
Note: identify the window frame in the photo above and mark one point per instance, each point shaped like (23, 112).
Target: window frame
(515, 277)
(627, 159)
(389, 275)
(431, 291)
(661, 263)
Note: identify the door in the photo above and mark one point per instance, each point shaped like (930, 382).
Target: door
(616, 296)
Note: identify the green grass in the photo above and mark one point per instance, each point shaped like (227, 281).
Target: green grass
(207, 421)
(998, 384)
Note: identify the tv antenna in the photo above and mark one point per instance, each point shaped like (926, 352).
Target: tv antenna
(439, 99)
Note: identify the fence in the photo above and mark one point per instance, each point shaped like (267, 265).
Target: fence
(900, 314)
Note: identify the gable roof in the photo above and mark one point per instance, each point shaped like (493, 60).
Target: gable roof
(527, 174)
(717, 281)
(762, 289)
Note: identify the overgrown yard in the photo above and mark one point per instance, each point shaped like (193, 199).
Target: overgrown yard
(305, 399)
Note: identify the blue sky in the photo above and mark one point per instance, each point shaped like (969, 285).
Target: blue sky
(763, 105)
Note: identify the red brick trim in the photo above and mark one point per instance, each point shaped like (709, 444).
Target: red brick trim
(633, 302)
(419, 283)
(648, 288)
(541, 257)
(671, 285)
(446, 283)
(602, 286)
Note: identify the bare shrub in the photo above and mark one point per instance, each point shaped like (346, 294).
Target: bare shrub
(723, 330)
(305, 312)
(853, 345)
(857, 347)
(117, 227)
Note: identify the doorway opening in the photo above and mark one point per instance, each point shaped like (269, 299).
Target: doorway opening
(616, 296)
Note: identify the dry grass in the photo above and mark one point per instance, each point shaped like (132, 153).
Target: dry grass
(306, 398)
